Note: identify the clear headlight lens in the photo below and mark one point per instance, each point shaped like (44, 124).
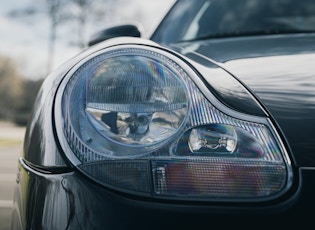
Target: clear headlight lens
(133, 119)
(124, 104)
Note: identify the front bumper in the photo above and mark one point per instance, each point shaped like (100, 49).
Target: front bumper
(70, 201)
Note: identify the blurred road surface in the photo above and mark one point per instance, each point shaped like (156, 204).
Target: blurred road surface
(11, 137)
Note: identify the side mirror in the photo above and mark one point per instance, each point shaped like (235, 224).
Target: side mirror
(112, 32)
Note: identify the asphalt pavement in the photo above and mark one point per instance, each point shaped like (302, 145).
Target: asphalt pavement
(11, 137)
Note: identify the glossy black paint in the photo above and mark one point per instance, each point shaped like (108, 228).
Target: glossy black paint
(52, 193)
(241, 73)
(113, 32)
(280, 72)
(41, 147)
(71, 201)
(222, 84)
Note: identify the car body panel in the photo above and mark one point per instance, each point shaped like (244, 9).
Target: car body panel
(51, 192)
(229, 90)
(42, 151)
(72, 201)
(270, 77)
(286, 89)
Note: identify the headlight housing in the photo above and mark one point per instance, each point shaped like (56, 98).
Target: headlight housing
(137, 119)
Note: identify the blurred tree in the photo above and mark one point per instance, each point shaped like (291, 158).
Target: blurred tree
(70, 14)
(24, 108)
(10, 87)
(54, 15)
(79, 12)
(17, 94)
(57, 14)
(96, 13)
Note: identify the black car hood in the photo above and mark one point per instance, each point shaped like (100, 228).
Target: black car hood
(280, 70)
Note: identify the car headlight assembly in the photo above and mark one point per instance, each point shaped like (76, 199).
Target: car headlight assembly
(136, 119)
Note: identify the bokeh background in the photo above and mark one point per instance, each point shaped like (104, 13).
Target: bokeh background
(36, 37)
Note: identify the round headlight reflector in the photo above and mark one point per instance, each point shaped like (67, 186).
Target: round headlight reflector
(123, 102)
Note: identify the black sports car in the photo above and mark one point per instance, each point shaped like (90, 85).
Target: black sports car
(210, 122)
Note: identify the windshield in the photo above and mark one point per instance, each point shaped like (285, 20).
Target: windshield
(201, 19)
